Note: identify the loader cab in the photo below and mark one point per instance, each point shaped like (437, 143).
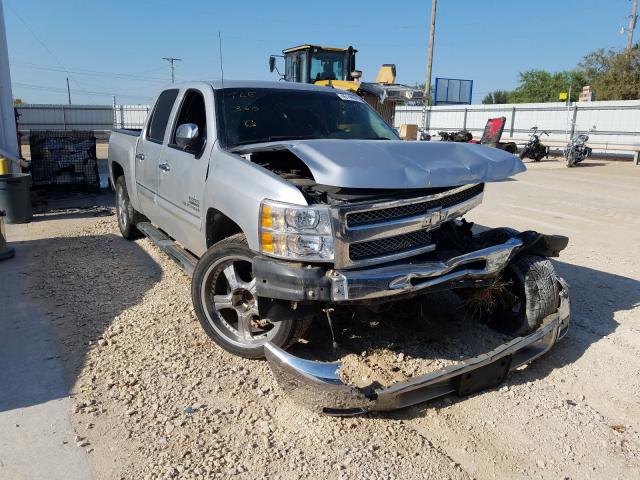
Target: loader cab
(315, 64)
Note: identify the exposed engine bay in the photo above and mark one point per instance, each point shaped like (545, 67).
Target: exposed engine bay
(286, 164)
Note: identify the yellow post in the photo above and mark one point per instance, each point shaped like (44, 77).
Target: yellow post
(4, 166)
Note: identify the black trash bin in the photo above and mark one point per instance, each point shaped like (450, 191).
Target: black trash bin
(15, 197)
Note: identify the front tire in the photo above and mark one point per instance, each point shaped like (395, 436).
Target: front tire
(524, 153)
(526, 293)
(223, 291)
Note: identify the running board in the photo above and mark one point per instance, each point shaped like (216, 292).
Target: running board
(161, 240)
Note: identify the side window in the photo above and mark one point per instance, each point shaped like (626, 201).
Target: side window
(193, 111)
(160, 115)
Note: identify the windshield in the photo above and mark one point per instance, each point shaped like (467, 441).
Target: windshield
(266, 115)
(327, 66)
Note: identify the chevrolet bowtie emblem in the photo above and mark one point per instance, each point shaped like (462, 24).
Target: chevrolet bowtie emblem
(433, 217)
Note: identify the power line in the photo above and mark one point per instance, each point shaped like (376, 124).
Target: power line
(86, 72)
(45, 88)
(45, 47)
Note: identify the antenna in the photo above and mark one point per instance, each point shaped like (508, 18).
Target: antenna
(220, 50)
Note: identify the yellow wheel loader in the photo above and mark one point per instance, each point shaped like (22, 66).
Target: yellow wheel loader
(336, 68)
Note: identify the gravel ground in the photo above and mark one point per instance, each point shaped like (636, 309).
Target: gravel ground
(154, 398)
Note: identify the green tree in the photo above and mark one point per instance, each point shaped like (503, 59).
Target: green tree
(541, 86)
(497, 96)
(613, 75)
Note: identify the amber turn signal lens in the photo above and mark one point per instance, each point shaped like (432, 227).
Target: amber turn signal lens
(266, 240)
(266, 221)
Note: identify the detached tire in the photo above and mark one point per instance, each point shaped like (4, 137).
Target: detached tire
(531, 293)
(128, 217)
(223, 290)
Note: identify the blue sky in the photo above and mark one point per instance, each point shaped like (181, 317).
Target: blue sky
(116, 47)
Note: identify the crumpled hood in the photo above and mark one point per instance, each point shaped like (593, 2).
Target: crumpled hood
(399, 164)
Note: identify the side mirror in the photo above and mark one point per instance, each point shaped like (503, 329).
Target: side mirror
(187, 136)
(272, 63)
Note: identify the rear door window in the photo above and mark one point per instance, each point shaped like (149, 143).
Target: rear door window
(160, 116)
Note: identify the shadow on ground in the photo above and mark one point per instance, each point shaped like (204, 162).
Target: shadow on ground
(56, 282)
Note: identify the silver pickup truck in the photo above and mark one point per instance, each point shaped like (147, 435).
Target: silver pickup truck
(285, 201)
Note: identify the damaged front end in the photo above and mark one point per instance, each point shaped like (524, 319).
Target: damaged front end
(480, 261)
(318, 386)
(399, 233)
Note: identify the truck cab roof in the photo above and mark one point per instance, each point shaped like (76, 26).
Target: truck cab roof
(219, 84)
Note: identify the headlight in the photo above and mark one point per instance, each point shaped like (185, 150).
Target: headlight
(295, 232)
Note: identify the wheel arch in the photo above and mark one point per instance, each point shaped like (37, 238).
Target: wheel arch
(116, 171)
(219, 226)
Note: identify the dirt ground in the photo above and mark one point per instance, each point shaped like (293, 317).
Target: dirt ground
(154, 398)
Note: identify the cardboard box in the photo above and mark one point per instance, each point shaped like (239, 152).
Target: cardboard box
(408, 131)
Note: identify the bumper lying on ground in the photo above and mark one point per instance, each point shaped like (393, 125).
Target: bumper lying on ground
(318, 386)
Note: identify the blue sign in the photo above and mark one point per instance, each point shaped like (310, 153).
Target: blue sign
(453, 91)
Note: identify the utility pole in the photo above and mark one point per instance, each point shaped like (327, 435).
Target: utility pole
(172, 61)
(68, 92)
(427, 84)
(432, 34)
(632, 25)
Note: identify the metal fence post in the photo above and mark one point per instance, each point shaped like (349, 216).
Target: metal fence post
(573, 119)
(64, 117)
(513, 116)
(121, 116)
(464, 121)
(427, 120)
(114, 114)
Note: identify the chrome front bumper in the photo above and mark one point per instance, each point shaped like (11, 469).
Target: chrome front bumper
(318, 386)
(349, 285)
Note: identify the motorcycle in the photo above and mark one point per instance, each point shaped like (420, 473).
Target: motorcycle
(534, 149)
(461, 136)
(577, 150)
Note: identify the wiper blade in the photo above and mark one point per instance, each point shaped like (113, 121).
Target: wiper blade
(276, 138)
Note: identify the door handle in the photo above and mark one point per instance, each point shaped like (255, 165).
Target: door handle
(165, 167)
(139, 156)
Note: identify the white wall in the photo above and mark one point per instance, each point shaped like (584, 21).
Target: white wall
(8, 138)
(65, 117)
(616, 122)
(80, 117)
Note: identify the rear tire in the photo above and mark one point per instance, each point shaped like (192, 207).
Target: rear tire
(128, 217)
(223, 291)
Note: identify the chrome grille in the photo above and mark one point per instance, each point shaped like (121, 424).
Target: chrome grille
(390, 245)
(368, 217)
(388, 230)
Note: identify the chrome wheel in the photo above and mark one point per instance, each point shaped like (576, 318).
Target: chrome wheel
(123, 207)
(229, 296)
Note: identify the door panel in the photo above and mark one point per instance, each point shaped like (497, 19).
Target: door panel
(148, 155)
(150, 152)
(183, 172)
